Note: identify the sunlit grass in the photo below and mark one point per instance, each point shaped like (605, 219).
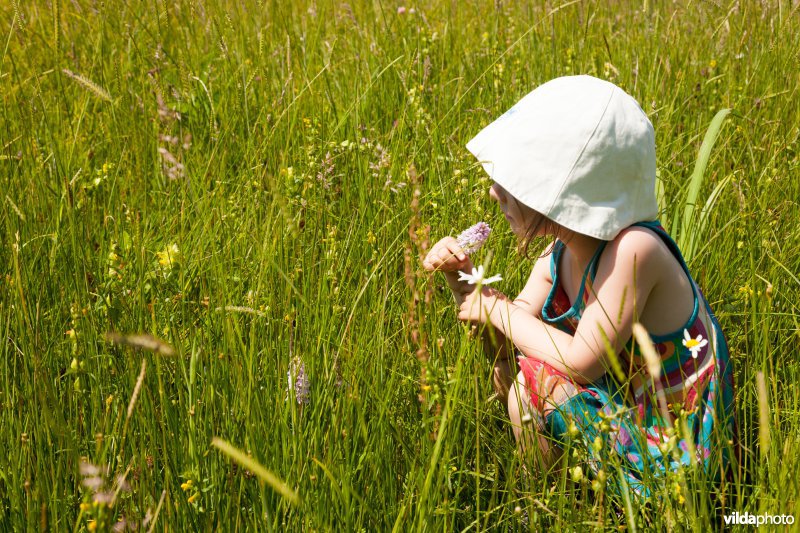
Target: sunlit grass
(233, 181)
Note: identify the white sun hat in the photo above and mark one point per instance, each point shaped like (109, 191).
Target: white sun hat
(580, 151)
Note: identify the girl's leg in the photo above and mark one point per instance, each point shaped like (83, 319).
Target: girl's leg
(503, 361)
(503, 377)
(527, 416)
(528, 425)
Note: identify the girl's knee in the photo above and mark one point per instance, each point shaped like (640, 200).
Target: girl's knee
(503, 378)
(523, 405)
(528, 426)
(546, 390)
(561, 392)
(519, 403)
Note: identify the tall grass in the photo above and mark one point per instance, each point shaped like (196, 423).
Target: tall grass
(235, 180)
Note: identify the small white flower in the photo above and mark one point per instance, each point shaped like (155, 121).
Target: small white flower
(476, 278)
(694, 345)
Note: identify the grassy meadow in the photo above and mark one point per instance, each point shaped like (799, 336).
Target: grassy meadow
(251, 184)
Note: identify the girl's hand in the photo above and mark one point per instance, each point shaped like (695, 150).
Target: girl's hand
(477, 306)
(447, 256)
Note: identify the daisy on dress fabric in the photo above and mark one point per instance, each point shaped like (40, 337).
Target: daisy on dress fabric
(694, 345)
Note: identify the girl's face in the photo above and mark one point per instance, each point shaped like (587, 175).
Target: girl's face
(519, 216)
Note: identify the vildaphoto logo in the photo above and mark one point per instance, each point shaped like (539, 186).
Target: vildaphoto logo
(747, 519)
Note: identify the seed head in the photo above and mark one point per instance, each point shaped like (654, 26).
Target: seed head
(299, 380)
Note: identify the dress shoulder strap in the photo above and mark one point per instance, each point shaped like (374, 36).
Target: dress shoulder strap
(558, 248)
(655, 226)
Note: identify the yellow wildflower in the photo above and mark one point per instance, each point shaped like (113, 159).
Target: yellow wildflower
(677, 492)
(169, 256)
(573, 430)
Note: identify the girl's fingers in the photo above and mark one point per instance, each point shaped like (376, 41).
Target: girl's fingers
(434, 260)
(457, 251)
(446, 255)
(453, 254)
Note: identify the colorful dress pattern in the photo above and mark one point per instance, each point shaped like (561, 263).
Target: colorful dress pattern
(628, 417)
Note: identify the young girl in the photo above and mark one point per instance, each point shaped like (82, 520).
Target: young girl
(575, 160)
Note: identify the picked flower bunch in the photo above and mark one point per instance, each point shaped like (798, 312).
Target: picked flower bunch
(471, 240)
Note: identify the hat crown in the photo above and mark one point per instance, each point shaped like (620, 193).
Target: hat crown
(577, 149)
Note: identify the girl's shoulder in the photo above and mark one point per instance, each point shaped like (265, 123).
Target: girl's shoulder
(645, 253)
(647, 257)
(639, 236)
(542, 271)
(640, 244)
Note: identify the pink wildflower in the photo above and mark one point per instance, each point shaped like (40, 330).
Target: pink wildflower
(472, 238)
(299, 380)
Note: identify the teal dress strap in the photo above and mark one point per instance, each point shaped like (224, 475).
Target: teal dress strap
(575, 309)
(558, 247)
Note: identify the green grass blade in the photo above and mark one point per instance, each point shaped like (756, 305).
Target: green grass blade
(686, 238)
(255, 467)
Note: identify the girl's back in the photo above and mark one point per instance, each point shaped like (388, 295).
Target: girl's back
(671, 300)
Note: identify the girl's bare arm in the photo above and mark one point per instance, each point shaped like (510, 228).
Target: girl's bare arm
(613, 307)
(496, 346)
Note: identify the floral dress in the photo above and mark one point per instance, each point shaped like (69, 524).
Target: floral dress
(695, 391)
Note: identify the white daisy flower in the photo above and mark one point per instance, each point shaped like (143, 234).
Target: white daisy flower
(476, 278)
(694, 345)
